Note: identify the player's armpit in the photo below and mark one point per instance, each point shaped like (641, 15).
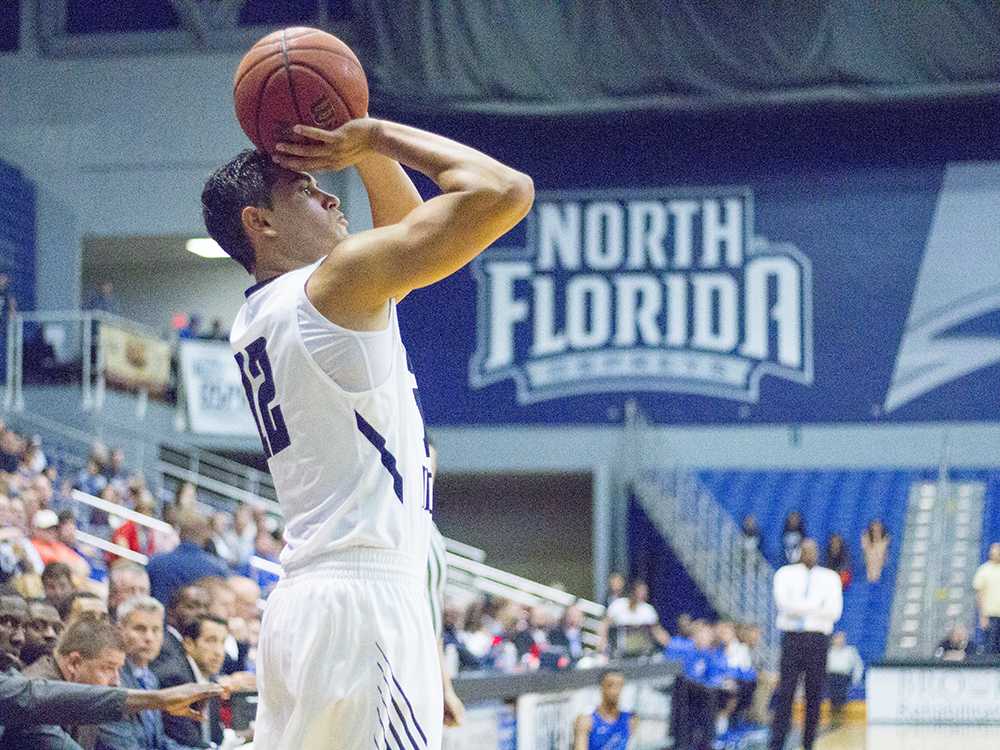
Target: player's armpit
(433, 241)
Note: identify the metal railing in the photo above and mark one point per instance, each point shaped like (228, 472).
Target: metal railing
(706, 539)
(77, 328)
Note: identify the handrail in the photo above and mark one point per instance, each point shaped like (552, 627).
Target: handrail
(117, 510)
(114, 549)
(218, 487)
(83, 316)
(464, 550)
(268, 566)
(524, 584)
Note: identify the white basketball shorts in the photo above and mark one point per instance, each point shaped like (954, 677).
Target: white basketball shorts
(348, 658)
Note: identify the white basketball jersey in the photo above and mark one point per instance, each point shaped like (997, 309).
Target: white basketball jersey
(350, 469)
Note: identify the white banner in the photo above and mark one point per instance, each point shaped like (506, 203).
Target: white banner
(485, 727)
(216, 401)
(933, 695)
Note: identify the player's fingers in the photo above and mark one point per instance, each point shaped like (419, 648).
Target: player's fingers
(318, 134)
(302, 149)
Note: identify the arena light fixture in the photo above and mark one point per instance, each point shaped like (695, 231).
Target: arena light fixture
(205, 247)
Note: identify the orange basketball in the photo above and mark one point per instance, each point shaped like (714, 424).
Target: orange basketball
(297, 76)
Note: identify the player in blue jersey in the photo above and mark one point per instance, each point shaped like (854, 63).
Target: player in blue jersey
(608, 727)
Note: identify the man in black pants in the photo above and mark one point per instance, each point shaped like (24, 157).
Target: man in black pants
(809, 600)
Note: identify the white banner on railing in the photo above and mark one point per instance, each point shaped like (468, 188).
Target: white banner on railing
(216, 401)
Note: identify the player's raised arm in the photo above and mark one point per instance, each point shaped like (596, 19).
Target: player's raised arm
(481, 200)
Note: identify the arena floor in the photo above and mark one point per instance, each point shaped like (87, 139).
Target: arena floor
(883, 737)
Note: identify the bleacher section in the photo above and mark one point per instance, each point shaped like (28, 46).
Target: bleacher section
(844, 501)
(831, 502)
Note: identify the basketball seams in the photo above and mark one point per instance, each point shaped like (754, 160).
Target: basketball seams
(330, 90)
(260, 103)
(329, 87)
(293, 49)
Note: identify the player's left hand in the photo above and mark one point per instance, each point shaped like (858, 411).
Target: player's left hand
(454, 710)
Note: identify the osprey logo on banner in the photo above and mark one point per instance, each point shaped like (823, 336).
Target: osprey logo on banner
(667, 290)
(959, 283)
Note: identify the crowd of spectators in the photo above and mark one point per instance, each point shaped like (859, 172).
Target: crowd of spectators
(76, 614)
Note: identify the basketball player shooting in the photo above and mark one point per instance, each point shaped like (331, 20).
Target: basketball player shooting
(348, 657)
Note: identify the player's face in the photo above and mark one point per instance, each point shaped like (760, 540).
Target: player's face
(611, 688)
(303, 214)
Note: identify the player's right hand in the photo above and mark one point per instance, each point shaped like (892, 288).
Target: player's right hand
(329, 150)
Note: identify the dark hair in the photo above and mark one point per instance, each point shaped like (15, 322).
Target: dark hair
(179, 593)
(89, 636)
(66, 515)
(608, 672)
(247, 180)
(192, 629)
(66, 605)
(56, 570)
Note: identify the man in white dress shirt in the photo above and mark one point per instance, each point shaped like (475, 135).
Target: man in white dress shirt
(809, 599)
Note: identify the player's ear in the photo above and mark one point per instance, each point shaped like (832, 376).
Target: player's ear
(257, 220)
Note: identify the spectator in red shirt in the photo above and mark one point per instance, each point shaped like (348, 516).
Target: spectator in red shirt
(135, 536)
(45, 538)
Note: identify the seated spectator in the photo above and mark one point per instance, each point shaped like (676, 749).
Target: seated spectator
(767, 681)
(46, 542)
(534, 638)
(749, 540)
(115, 471)
(616, 587)
(222, 604)
(697, 692)
(451, 641)
(224, 542)
(844, 669)
(684, 622)
(66, 531)
(57, 582)
(569, 634)
(18, 556)
(90, 652)
(741, 677)
(792, 534)
(247, 597)
(187, 563)
(136, 536)
(955, 646)
(838, 559)
(34, 703)
(125, 581)
(140, 623)
(90, 479)
(204, 649)
(82, 604)
(13, 627)
(42, 632)
(244, 533)
(476, 636)
(267, 546)
(875, 545)
(187, 604)
(631, 626)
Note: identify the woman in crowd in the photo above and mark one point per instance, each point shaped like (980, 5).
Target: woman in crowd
(838, 559)
(875, 546)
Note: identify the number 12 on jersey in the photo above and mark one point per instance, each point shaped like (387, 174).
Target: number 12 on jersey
(258, 382)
